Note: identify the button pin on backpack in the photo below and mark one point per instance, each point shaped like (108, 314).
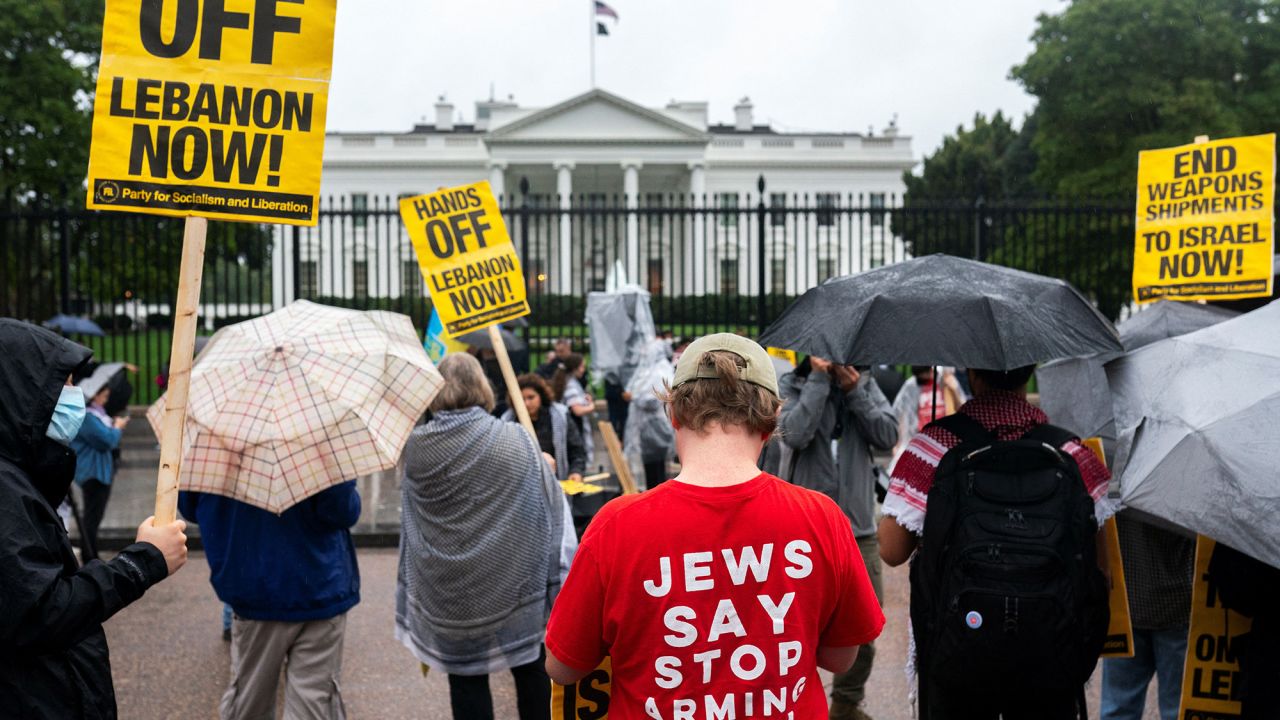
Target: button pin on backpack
(973, 619)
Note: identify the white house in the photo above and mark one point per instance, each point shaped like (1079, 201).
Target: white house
(588, 151)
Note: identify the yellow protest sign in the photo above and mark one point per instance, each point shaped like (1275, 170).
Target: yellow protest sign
(1204, 227)
(587, 699)
(1119, 639)
(466, 256)
(1211, 675)
(212, 108)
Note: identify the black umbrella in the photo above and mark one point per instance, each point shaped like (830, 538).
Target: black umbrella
(943, 310)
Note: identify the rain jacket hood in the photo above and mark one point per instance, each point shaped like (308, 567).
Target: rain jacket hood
(34, 366)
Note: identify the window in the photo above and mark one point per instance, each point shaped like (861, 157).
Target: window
(778, 276)
(877, 209)
(359, 209)
(308, 279)
(360, 279)
(826, 204)
(410, 279)
(727, 204)
(778, 203)
(655, 276)
(826, 268)
(728, 277)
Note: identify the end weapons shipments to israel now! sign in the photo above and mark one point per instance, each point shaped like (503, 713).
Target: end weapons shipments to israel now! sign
(466, 256)
(213, 108)
(1204, 226)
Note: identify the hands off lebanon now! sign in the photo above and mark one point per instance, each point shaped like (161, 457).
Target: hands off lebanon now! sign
(1204, 228)
(466, 256)
(213, 108)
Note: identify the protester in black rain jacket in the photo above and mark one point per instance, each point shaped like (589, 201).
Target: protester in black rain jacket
(53, 652)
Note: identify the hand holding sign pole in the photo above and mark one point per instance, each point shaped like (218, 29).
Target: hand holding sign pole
(471, 268)
(208, 115)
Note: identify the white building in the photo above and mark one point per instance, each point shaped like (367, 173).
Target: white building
(589, 150)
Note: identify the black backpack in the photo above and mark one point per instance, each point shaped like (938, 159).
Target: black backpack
(1006, 590)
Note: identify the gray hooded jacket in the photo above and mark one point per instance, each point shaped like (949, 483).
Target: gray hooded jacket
(811, 407)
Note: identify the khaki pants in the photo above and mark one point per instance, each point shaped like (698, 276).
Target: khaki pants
(311, 655)
(849, 688)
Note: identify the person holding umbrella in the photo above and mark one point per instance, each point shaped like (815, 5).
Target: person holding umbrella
(284, 410)
(832, 417)
(999, 406)
(53, 652)
(943, 310)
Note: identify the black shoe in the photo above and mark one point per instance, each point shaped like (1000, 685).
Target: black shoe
(226, 634)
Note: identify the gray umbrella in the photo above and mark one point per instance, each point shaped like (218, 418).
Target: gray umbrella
(1074, 391)
(943, 310)
(1197, 419)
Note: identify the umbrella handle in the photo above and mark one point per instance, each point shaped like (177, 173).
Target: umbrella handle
(174, 420)
(513, 388)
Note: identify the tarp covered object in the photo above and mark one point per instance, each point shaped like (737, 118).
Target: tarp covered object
(1198, 431)
(621, 325)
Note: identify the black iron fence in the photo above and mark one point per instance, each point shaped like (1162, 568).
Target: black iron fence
(721, 262)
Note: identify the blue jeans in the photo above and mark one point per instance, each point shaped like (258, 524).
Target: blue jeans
(226, 616)
(1124, 680)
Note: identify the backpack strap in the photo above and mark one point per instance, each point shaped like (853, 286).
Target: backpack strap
(1051, 435)
(965, 428)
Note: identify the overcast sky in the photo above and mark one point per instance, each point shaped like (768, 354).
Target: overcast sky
(829, 65)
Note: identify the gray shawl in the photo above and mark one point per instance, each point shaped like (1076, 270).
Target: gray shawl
(559, 415)
(482, 527)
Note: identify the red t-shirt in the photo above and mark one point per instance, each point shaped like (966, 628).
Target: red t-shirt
(712, 602)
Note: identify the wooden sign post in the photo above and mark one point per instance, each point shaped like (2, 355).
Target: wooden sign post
(181, 352)
(513, 387)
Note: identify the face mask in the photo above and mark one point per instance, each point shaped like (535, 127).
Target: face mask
(67, 415)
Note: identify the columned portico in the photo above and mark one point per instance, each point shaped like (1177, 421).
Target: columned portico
(564, 189)
(631, 195)
(697, 250)
(498, 178)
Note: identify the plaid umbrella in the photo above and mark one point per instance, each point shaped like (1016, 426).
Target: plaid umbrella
(286, 405)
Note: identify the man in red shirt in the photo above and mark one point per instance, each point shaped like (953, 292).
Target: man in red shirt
(1000, 405)
(720, 594)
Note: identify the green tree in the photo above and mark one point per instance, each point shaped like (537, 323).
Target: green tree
(976, 167)
(989, 160)
(1113, 77)
(48, 60)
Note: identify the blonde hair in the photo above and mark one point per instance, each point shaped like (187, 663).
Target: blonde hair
(465, 385)
(725, 399)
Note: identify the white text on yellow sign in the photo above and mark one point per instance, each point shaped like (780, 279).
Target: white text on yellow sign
(1204, 228)
(466, 256)
(212, 108)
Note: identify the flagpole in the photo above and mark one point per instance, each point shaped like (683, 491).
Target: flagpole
(591, 5)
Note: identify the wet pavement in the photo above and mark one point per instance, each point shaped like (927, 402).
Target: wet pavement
(169, 661)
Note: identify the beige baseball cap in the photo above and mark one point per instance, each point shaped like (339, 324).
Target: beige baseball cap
(759, 370)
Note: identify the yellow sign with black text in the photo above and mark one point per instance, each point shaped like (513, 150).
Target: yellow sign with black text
(781, 354)
(1119, 639)
(466, 256)
(1211, 675)
(1204, 225)
(212, 108)
(587, 699)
